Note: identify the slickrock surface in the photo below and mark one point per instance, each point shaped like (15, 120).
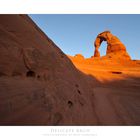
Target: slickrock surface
(39, 85)
(116, 86)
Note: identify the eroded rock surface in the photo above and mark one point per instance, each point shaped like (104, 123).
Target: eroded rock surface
(37, 80)
(115, 48)
(79, 56)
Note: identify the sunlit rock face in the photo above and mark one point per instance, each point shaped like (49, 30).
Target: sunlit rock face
(115, 48)
(79, 56)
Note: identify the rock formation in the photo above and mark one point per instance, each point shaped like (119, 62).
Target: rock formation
(39, 85)
(115, 48)
(79, 56)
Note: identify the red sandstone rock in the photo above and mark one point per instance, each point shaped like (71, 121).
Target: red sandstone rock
(79, 56)
(39, 85)
(115, 48)
(116, 86)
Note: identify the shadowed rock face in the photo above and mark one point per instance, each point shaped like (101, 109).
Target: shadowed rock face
(39, 85)
(115, 48)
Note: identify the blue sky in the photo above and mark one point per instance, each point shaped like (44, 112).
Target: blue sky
(76, 33)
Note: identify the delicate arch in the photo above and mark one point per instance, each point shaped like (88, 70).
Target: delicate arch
(104, 36)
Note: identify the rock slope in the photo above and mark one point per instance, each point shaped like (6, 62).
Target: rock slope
(39, 85)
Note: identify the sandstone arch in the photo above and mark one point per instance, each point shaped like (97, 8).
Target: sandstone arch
(115, 48)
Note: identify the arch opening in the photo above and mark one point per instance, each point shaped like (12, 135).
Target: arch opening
(100, 41)
(103, 48)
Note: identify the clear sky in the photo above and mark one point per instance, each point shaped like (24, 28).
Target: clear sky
(75, 34)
